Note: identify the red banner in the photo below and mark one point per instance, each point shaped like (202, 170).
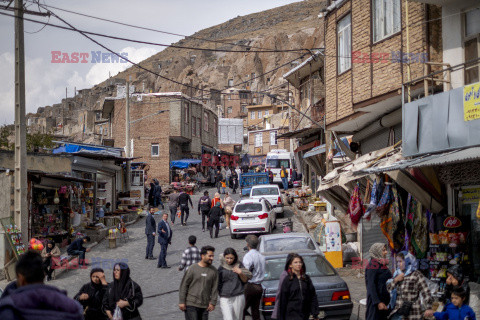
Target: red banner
(223, 160)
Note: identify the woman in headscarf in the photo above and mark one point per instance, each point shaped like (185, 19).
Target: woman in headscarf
(124, 293)
(376, 277)
(151, 194)
(216, 199)
(229, 204)
(406, 287)
(91, 295)
(283, 275)
(49, 251)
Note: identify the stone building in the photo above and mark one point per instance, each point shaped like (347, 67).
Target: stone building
(235, 102)
(164, 126)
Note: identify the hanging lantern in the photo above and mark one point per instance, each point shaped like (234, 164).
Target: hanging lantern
(56, 199)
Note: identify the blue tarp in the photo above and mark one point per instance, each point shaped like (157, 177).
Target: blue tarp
(76, 148)
(184, 163)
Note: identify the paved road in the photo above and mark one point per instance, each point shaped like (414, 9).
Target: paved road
(160, 286)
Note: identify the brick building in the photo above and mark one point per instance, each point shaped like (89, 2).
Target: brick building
(180, 131)
(369, 53)
(235, 102)
(257, 114)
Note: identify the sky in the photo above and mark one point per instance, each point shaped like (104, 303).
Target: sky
(47, 72)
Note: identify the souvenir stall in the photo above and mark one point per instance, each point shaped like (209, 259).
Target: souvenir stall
(59, 207)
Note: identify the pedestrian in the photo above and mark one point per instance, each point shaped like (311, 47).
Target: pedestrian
(211, 176)
(283, 276)
(255, 262)
(173, 204)
(33, 299)
(199, 287)
(238, 171)
(158, 195)
(204, 205)
(298, 298)
(76, 248)
(376, 277)
(50, 255)
(183, 201)
(123, 293)
(151, 195)
(229, 204)
(270, 176)
(91, 295)
(164, 238)
(457, 309)
(216, 199)
(284, 177)
(224, 186)
(406, 287)
(214, 219)
(150, 227)
(223, 171)
(228, 175)
(234, 181)
(218, 180)
(191, 255)
(232, 276)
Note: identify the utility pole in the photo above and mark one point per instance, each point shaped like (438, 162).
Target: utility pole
(63, 113)
(20, 192)
(127, 137)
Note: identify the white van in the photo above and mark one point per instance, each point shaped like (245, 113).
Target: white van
(278, 158)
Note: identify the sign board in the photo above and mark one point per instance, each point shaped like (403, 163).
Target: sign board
(230, 131)
(471, 102)
(452, 222)
(333, 239)
(471, 194)
(223, 160)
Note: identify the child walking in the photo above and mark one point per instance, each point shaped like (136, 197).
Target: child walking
(455, 309)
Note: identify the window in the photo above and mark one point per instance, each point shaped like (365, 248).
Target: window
(215, 127)
(344, 41)
(273, 138)
(252, 115)
(243, 95)
(243, 108)
(187, 112)
(155, 150)
(229, 109)
(472, 45)
(386, 18)
(205, 121)
(229, 97)
(194, 124)
(230, 82)
(267, 112)
(259, 114)
(199, 127)
(258, 139)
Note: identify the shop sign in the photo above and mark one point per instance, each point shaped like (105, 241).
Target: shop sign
(471, 102)
(224, 160)
(452, 222)
(470, 194)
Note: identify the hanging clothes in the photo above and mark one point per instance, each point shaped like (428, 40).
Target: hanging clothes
(385, 200)
(398, 227)
(409, 223)
(373, 201)
(420, 232)
(355, 207)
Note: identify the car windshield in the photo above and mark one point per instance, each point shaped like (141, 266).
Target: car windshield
(278, 163)
(289, 244)
(265, 192)
(248, 207)
(316, 266)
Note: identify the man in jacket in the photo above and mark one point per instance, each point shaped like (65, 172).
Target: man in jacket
(191, 255)
(204, 208)
(164, 238)
(76, 249)
(214, 219)
(173, 204)
(150, 227)
(255, 262)
(183, 201)
(284, 176)
(199, 287)
(35, 300)
(158, 195)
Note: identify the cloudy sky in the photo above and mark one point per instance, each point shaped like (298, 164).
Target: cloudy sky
(46, 81)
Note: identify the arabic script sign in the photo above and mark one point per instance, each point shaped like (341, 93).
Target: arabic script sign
(471, 102)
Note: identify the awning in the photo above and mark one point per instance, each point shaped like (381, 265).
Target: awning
(451, 157)
(315, 151)
(307, 146)
(322, 149)
(184, 163)
(300, 133)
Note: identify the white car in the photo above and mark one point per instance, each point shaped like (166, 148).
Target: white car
(252, 216)
(271, 192)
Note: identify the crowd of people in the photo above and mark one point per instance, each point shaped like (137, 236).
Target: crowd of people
(405, 293)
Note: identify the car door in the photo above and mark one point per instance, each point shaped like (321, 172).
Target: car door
(271, 214)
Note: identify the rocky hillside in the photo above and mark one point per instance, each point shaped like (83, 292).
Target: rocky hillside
(292, 26)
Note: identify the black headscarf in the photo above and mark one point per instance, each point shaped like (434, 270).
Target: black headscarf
(122, 286)
(95, 285)
(53, 246)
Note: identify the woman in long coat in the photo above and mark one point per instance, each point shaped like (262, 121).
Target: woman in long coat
(376, 277)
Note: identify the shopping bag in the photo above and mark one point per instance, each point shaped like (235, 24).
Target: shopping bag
(117, 315)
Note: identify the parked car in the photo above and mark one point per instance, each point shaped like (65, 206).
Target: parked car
(332, 292)
(287, 242)
(271, 192)
(252, 216)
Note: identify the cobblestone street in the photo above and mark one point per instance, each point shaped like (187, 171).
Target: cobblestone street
(160, 286)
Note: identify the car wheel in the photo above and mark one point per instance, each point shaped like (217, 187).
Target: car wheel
(233, 236)
(270, 229)
(275, 224)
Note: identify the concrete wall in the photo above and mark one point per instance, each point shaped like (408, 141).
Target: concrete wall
(6, 209)
(47, 163)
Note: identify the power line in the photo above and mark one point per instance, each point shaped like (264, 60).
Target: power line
(148, 29)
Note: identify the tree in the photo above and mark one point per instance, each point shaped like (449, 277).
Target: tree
(5, 132)
(37, 141)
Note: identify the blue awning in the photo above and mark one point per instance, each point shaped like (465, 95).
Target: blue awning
(184, 163)
(87, 149)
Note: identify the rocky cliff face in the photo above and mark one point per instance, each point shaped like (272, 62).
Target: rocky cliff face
(288, 27)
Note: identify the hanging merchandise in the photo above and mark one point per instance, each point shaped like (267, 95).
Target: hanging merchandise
(368, 192)
(56, 199)
(478, 211)
(355, 207)
(420, 232)
(385, 200)
(411, 207)
(398, 227)
(373, 200)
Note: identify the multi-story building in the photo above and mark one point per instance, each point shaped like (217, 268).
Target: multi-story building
(235, 102)
(164, 126)
(258, 113)
(265, 137)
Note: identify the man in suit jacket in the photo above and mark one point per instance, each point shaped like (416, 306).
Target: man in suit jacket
(164, 238)
(150, 227)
